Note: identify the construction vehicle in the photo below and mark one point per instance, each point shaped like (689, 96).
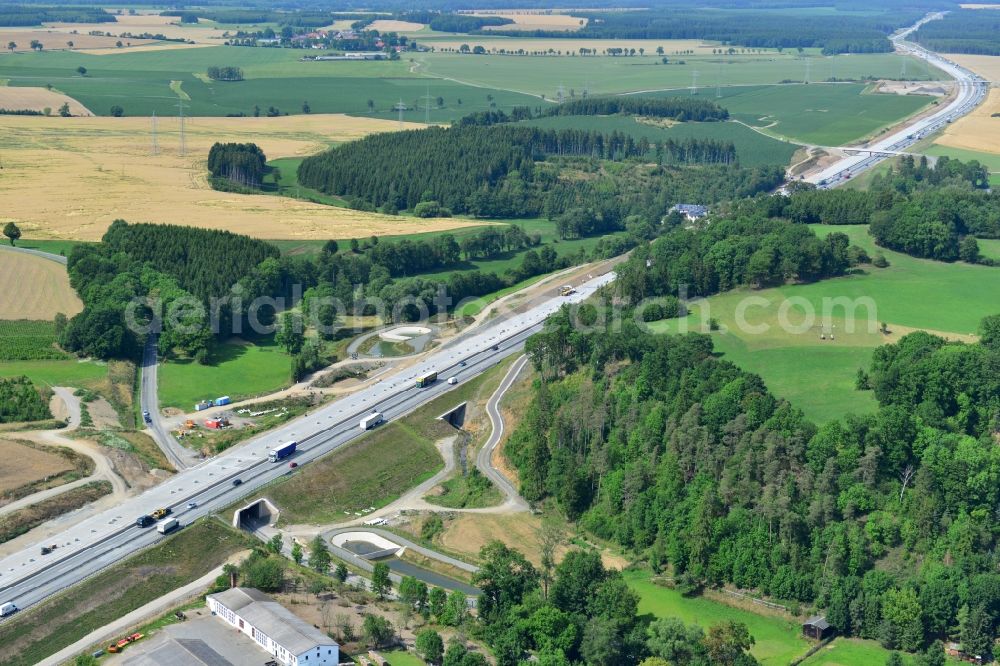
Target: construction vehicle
(189, 424)
(426, 379)
(566, 290)
(160, 513)
(372, 420)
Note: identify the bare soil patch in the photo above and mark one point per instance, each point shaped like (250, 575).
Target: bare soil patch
(978, 131)
(103, 414)
(39, 99)
(23, 465)
(71, 177)
(34, 287)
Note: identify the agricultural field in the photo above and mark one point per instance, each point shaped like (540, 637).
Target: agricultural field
(778, 638)
(752, 147)
(71, 372)
(155, 81)
(24, 465)
(69, 178)
(56, 40)
(543, 75)
(818, 375)
(241, 369)
(42, 289)
(535, 20)
(978, 132)
(825, 115)
(39, 99)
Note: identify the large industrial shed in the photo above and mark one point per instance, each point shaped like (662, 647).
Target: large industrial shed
(277, 630)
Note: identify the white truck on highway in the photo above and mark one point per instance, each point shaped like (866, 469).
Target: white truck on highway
(372, 420)
(7, 609)
(167, 526)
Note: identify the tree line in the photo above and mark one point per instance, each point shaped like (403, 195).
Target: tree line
(654, 443)
(494, 171)
(25, 15)
(242, 164)
(760, 29)
(681, 109)
(962, 31)
(225, 73)
(401, 169)
(21, 401)
(930, 212)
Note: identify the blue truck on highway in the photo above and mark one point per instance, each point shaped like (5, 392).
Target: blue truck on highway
(282, 451)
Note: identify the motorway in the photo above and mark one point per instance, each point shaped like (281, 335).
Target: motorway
(971, 90)
(26, 577)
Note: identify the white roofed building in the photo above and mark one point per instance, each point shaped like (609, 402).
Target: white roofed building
(291, 640)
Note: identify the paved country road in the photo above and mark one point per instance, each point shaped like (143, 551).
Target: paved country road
(180, 457)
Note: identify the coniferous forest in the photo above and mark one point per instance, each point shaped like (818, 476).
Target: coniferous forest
(887, 521)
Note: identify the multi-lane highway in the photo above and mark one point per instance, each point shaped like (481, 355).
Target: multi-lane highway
(28, 577)
(970, 91)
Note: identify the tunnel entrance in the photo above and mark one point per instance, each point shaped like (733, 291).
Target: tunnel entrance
(455, 417)
(255, 515)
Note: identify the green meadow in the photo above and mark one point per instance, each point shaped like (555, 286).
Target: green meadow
(820, 114)
(147, 82)
(241, 369)
(801, 362)
(752, 147)
(543, 75)
(71, 372)
(777, 640)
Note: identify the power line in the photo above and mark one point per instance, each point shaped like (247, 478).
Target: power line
(156, 149)
(180, 106)
(694, 82)
(427, 106)
(808, 66)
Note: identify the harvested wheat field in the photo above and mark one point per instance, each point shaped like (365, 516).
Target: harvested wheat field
(39, 99)
(57, 39)
(34, 288)
(571, 45)
(69, 178)
(535, 20)
(168, 26)
(984, 65)
(977, 131)
(388, 25)
(21, 465)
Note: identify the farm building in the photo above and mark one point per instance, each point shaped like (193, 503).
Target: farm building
(691, 211)
(817, 628)
(288, 638)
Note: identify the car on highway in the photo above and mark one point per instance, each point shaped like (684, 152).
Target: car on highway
(144, 521)
(462, 364)
(192, 505)
(453, 380)
(495, 347)
(292, 465)
(237, 482)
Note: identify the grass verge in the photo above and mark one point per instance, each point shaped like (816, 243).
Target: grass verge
(16, 523)
(45, 629)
